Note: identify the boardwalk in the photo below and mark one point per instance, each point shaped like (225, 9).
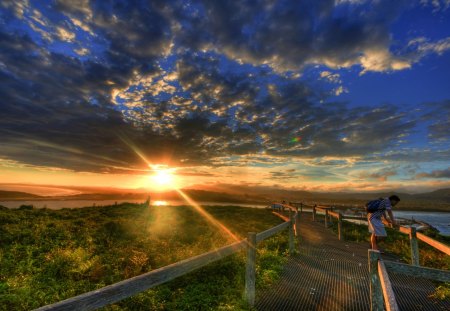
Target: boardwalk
(332, 275)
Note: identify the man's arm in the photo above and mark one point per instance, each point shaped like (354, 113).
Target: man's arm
(391, 217)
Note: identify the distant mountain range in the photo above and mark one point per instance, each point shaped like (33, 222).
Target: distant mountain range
(438, 200)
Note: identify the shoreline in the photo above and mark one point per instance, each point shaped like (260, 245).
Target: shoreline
(224, 203)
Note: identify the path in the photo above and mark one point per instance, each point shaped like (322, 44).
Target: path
(329, 274)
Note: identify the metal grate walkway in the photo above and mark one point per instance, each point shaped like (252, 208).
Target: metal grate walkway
(329, 274)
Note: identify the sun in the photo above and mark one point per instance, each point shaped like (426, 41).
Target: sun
(162, 178)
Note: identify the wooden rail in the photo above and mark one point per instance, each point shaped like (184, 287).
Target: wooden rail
(438, 245)
(132, 286)
(414, 236)
(380, 286)
(381, 292)
(423, 272)
(388, 292)
(411, 231)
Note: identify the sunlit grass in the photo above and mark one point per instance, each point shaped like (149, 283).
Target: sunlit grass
(47, 255)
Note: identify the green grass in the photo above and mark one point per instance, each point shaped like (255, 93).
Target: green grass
(50, 255)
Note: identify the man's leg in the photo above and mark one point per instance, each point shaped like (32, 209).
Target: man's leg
(373, 241)
(380, 239)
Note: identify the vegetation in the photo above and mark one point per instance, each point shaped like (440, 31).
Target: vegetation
(50, 255)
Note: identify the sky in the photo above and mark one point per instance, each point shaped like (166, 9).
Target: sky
(341, 95)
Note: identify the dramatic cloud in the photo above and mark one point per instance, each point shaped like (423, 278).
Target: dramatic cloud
(435, 174)
(89, 85)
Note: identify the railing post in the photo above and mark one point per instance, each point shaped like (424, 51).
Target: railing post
(414, 247)
(341, 237)
(314, 213)
(291, 236)
(301, 208)
(326, 218)
(297, 227)
(376, 294)
(250, 273)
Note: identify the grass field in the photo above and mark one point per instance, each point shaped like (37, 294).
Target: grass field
(50, 255)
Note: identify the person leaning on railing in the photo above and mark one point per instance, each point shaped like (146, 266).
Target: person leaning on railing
(375, 222)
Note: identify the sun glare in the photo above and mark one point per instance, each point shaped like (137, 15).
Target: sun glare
(163, 178)
(159, 203)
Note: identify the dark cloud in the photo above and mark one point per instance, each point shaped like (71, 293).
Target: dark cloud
(290, 34)
(381, 175)
(435, 174)
(283, 175)
(438, 120)
(74, 111)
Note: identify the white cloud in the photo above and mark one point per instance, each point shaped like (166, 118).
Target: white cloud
(437, 5)
(331, 77)
(424, 47)
(380, 59)
(339, 90)
(82, 51)
(64, 35)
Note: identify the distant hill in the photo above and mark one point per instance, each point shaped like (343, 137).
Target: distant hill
(438, 200)
(16, 195)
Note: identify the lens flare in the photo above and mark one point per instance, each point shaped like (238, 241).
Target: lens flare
(191, 202)
(207, 216)
(296, 139)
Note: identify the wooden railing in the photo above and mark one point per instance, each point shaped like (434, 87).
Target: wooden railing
(328, 213)
(414, 236)
(129, 287)
(382, 295)
(381, 292)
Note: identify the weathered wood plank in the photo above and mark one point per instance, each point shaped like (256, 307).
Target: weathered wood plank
(124, 289)
(340, 233)
(414, 247)
(438, 245)
(291, 236)
(404, 230)
(388, 292)
(285, 218)
(265, 234)
(250, 272)
(334, 214)
(354, 217)
(376, 294)
(423, 272)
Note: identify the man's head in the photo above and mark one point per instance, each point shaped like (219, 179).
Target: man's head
(394, 199)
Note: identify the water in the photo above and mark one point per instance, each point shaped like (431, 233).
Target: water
(59, 204)
(439, 220)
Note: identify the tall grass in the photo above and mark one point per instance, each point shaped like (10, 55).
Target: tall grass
(50, 255)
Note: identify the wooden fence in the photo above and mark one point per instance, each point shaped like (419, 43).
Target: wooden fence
(381, 292)
(129, 287)
(414, 236)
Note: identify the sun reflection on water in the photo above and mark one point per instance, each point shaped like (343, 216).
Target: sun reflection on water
(160, 203)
